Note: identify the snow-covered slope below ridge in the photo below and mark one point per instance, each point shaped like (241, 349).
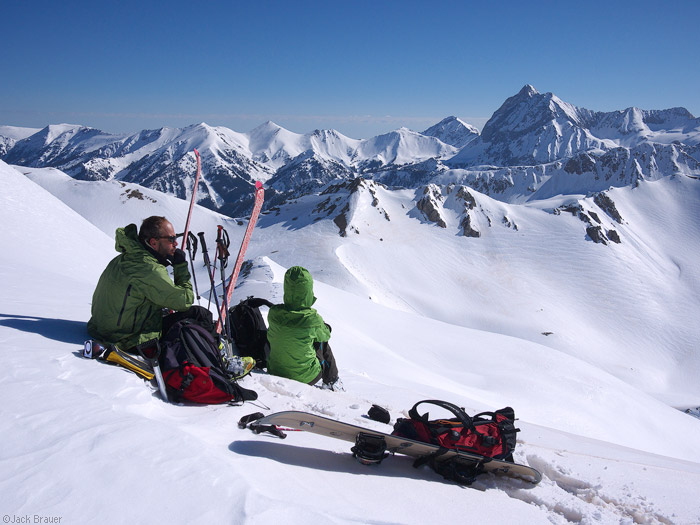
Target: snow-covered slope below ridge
(52, 444)
(533, 270)
(533, 273)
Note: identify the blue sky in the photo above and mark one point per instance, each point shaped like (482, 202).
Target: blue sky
(360, 67)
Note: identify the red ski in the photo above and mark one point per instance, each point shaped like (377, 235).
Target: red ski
(259, 197)
(194, 195)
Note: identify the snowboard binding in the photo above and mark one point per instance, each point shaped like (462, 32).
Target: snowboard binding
(369, 449)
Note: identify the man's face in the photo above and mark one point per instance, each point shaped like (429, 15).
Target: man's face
(165, 243)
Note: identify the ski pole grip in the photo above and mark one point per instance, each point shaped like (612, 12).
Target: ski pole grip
(192, 243)
(202, 242)
(222, 243)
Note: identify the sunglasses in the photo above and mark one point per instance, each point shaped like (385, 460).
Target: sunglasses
(171, 238)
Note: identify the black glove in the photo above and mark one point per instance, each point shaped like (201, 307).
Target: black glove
(178, 257)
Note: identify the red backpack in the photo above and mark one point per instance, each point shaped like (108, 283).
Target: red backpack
(489, 434)
(193, 369)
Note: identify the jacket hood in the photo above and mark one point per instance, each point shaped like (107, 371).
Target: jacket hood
(298, 288)
(126, 240)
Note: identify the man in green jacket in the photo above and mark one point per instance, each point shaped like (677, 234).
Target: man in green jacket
(128, 303)
(298, 336)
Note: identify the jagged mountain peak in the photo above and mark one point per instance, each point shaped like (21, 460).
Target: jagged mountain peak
(527, 110)
(453, 131)
(527, 91)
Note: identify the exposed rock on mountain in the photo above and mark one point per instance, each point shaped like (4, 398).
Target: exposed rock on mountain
(605, 203)
(534, 147)
(430, 205)
(346, 198)
(466, 226)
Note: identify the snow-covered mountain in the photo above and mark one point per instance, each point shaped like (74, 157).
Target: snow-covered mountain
(534, 146)
(591, 346)
(531, 128)
(9, 135)
(453, 131)
(163, 159)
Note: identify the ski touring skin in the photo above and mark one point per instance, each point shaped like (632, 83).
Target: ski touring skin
(259, 197)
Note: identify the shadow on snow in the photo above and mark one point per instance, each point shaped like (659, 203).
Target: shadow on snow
(62, 330)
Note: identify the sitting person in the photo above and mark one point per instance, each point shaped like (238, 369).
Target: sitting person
(128, 303)
(298, 336)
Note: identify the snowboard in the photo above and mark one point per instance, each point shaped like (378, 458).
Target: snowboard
(324, 426)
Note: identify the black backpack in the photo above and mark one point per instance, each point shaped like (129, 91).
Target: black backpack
(193, 368)
(249, 331)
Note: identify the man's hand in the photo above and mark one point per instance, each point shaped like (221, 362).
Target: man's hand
(178, 257)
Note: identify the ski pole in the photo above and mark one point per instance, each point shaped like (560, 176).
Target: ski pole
(223, 242)
(212, 277)
(207, 262)
(192, 252)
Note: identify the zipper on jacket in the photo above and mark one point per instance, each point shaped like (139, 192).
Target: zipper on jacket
(121, 312)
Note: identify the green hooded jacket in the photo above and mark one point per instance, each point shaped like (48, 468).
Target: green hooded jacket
(132, 291)
(293, 329)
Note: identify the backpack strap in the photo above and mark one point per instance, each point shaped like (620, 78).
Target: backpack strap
(257, 302)
(461, 415)
(184, 385)
(506, 412)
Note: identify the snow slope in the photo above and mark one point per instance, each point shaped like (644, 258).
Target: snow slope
(609, 452)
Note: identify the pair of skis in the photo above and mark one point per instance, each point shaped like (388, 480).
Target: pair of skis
(223, 309)
(259, 198)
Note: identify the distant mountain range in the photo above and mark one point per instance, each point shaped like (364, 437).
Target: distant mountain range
(534, 146)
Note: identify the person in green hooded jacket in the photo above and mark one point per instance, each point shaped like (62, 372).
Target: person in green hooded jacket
(128, 303)
(298, 335)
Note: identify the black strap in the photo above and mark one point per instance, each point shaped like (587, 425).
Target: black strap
(459, 470)
(422, 460)
(243, 422)
(257, 302)
(272, 429)
(186, 382)
(461, 415)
